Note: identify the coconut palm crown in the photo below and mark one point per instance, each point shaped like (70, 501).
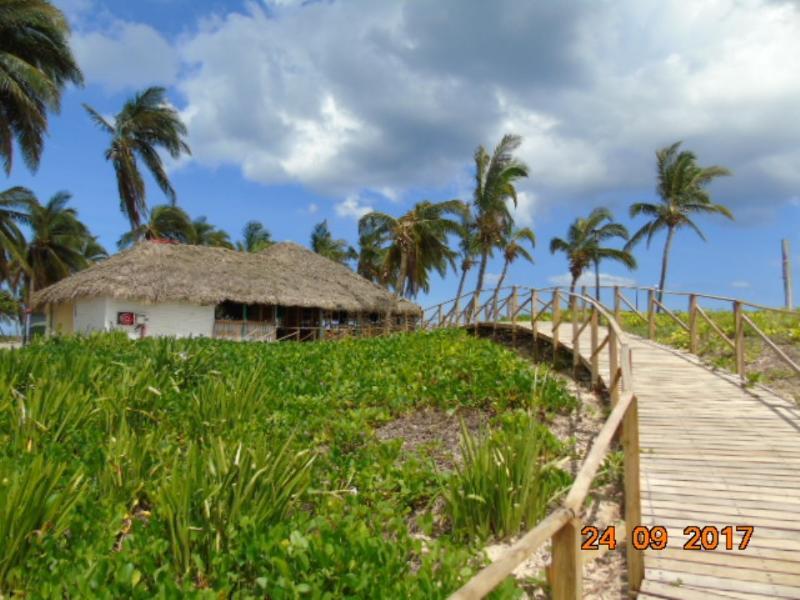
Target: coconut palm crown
(36, 63)
(145, 124)
(682, 194)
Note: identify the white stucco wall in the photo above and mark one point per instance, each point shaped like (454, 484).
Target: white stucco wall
(90, 315)
(176, 320)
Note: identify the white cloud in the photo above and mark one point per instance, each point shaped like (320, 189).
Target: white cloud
(128, 55)
(345, 97)
(351, 207)
(312, 209)
(740, 284)
(587, 279)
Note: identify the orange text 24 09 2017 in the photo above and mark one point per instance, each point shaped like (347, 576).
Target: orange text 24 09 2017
(656, 537)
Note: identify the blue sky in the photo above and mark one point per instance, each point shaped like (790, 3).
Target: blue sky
(303, 111)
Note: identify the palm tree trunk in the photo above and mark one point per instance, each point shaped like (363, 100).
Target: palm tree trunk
(664, 265)
(597, 279)
(401, 274)
(479, 286)
(457, 302)
(497, 289)
(572, 285)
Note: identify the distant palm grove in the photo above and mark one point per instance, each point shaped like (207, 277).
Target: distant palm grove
(42, 242)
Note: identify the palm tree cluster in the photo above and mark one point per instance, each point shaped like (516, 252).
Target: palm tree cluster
(57, 245)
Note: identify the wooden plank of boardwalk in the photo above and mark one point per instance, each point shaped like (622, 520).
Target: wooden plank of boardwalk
(712, 454)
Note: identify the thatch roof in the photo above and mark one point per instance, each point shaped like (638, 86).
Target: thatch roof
(284, 274)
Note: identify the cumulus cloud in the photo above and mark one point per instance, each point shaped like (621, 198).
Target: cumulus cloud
(587, 279)
(351, 207)
(351, 96)
(127, 56)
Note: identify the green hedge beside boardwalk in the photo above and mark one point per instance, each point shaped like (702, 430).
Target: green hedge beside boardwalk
(200, 467)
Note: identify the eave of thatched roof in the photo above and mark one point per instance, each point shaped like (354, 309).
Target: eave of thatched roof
(284, 274)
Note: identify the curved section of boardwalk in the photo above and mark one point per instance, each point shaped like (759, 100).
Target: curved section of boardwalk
(712, 454)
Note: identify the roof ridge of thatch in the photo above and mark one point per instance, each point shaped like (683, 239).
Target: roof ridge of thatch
(286, 273)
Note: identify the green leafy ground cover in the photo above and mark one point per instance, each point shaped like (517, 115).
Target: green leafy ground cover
(202, 468)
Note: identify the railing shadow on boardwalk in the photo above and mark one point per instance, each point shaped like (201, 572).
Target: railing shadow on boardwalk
(569, 315)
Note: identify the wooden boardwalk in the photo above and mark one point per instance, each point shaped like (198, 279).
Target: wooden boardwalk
(712, 454)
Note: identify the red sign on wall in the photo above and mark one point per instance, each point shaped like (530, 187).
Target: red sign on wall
(126, 318)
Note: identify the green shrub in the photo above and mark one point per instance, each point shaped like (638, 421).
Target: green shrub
(506, 482)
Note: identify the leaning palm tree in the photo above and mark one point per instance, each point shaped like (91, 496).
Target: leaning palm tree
(255, 237)
(165, 223)
(583, 244)
(204, 233)
(415, 243)
(682, 193)
(513, 248)
(145, 124)
(324, 244)
(495, 177)
(36, 63)
(14, 205)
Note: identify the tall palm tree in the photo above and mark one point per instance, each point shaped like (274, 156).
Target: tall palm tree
(495, 177)
(371, 254)
(513, 248)
(93, 250)
(166, 222)
(467, 252)
(14, 205)
(323, 243)
(36, 63)
(606, 231)
(145, 124)
(682, 194)
(583, 244)
(415, 243)
(204, 233)
(57, 245)
(255, 237)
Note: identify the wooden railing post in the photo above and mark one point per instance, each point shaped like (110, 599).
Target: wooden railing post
(739, 339)
(651, 314)
(567, 568)
(633, 509)
(595, 360)
(616, 303)
(576, 346)
(556, 308)
(693, 323)
(441, 316)
(613, 366)
(513, 309)
(583, 301)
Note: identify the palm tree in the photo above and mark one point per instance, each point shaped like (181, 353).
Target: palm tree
(323, 243)
(255, 237)
(415, 243)
(14, 205)
(682, 193)
(495, 177)
(57, 245)
(513, 248)
(145, 124)
(467, 251)
(166, 222)
(582, 246)
(606, 231)
(371, 255)
(93, 250)
(204, 233)
(36, 63)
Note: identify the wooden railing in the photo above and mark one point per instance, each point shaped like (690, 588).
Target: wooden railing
(563, 525)
(579, 311)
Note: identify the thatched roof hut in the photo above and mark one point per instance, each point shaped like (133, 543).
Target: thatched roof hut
(284, 274)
